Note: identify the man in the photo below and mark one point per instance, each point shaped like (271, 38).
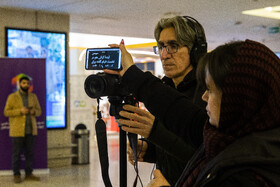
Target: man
(180, 43)
(22, 108)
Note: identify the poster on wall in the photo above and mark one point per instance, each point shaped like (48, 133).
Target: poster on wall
(22, 43)
(12, 69)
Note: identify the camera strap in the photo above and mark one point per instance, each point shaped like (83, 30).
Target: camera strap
(101, 134)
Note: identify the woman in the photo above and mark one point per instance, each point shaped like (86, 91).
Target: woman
(241, 138)
(241, 143)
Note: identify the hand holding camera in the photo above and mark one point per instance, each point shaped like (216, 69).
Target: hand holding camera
(126, 59)
(114, 61)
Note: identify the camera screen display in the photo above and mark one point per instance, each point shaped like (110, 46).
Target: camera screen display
(103, 58)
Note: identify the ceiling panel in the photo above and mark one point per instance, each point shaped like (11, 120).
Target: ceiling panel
(222, 20)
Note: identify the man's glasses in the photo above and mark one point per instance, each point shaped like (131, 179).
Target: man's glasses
(169, 48)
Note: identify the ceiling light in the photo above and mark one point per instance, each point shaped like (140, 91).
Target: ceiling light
(268, 9)
(268, 12)
(143, 53)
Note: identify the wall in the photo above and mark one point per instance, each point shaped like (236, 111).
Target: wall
(82, 107)
(59, 147)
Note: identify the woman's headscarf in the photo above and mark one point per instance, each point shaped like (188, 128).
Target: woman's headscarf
(250, 100)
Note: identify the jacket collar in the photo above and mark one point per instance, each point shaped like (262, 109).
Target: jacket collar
(188, 79)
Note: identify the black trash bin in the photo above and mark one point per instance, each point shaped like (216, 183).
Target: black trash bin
(80, 137)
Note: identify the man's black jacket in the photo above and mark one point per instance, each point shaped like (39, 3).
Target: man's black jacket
(171, 143)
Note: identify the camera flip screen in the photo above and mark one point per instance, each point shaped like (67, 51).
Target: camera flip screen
(103, 58)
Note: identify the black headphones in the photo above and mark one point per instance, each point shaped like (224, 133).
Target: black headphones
(200, 45)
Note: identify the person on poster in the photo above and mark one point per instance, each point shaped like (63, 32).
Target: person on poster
(22, 108)
(29, 52)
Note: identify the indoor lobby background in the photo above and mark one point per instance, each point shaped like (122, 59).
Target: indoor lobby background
(82, 109)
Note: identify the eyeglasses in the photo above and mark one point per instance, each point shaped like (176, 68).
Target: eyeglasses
(169, 48)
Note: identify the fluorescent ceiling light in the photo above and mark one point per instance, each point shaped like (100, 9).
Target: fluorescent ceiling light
(94, 40)
(268, 12)
(143, 53)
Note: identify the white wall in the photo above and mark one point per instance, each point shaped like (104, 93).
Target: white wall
(82, 107)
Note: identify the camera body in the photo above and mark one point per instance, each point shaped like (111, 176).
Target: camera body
(102, 84)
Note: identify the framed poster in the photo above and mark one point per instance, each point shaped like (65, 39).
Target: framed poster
(25, 43)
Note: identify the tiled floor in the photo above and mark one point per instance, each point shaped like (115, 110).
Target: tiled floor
(87, 175)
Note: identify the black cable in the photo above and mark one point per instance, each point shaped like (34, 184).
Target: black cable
(151, 176)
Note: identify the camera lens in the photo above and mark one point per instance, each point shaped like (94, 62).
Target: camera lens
(94, 86)
(101, 84)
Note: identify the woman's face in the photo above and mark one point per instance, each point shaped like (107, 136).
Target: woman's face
(213, 97)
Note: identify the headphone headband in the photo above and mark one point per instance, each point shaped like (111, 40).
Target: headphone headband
(200, 45)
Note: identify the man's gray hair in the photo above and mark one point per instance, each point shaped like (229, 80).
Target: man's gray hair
(184, 32)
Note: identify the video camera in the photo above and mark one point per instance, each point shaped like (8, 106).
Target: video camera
(102, 84)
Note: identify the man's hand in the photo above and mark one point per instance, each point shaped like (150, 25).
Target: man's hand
(142, 147)
(138, 121)
(24, 110)
(31, 111)
(127, 60)
(159, 180)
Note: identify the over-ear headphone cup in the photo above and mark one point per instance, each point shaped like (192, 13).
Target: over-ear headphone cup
(200, 45)
(197, 51)
(193, 55)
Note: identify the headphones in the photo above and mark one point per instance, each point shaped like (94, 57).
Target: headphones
(200, 45)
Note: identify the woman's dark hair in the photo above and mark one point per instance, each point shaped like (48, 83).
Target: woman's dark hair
(217, 62)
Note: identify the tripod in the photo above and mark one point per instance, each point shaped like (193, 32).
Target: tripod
(115, 107)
